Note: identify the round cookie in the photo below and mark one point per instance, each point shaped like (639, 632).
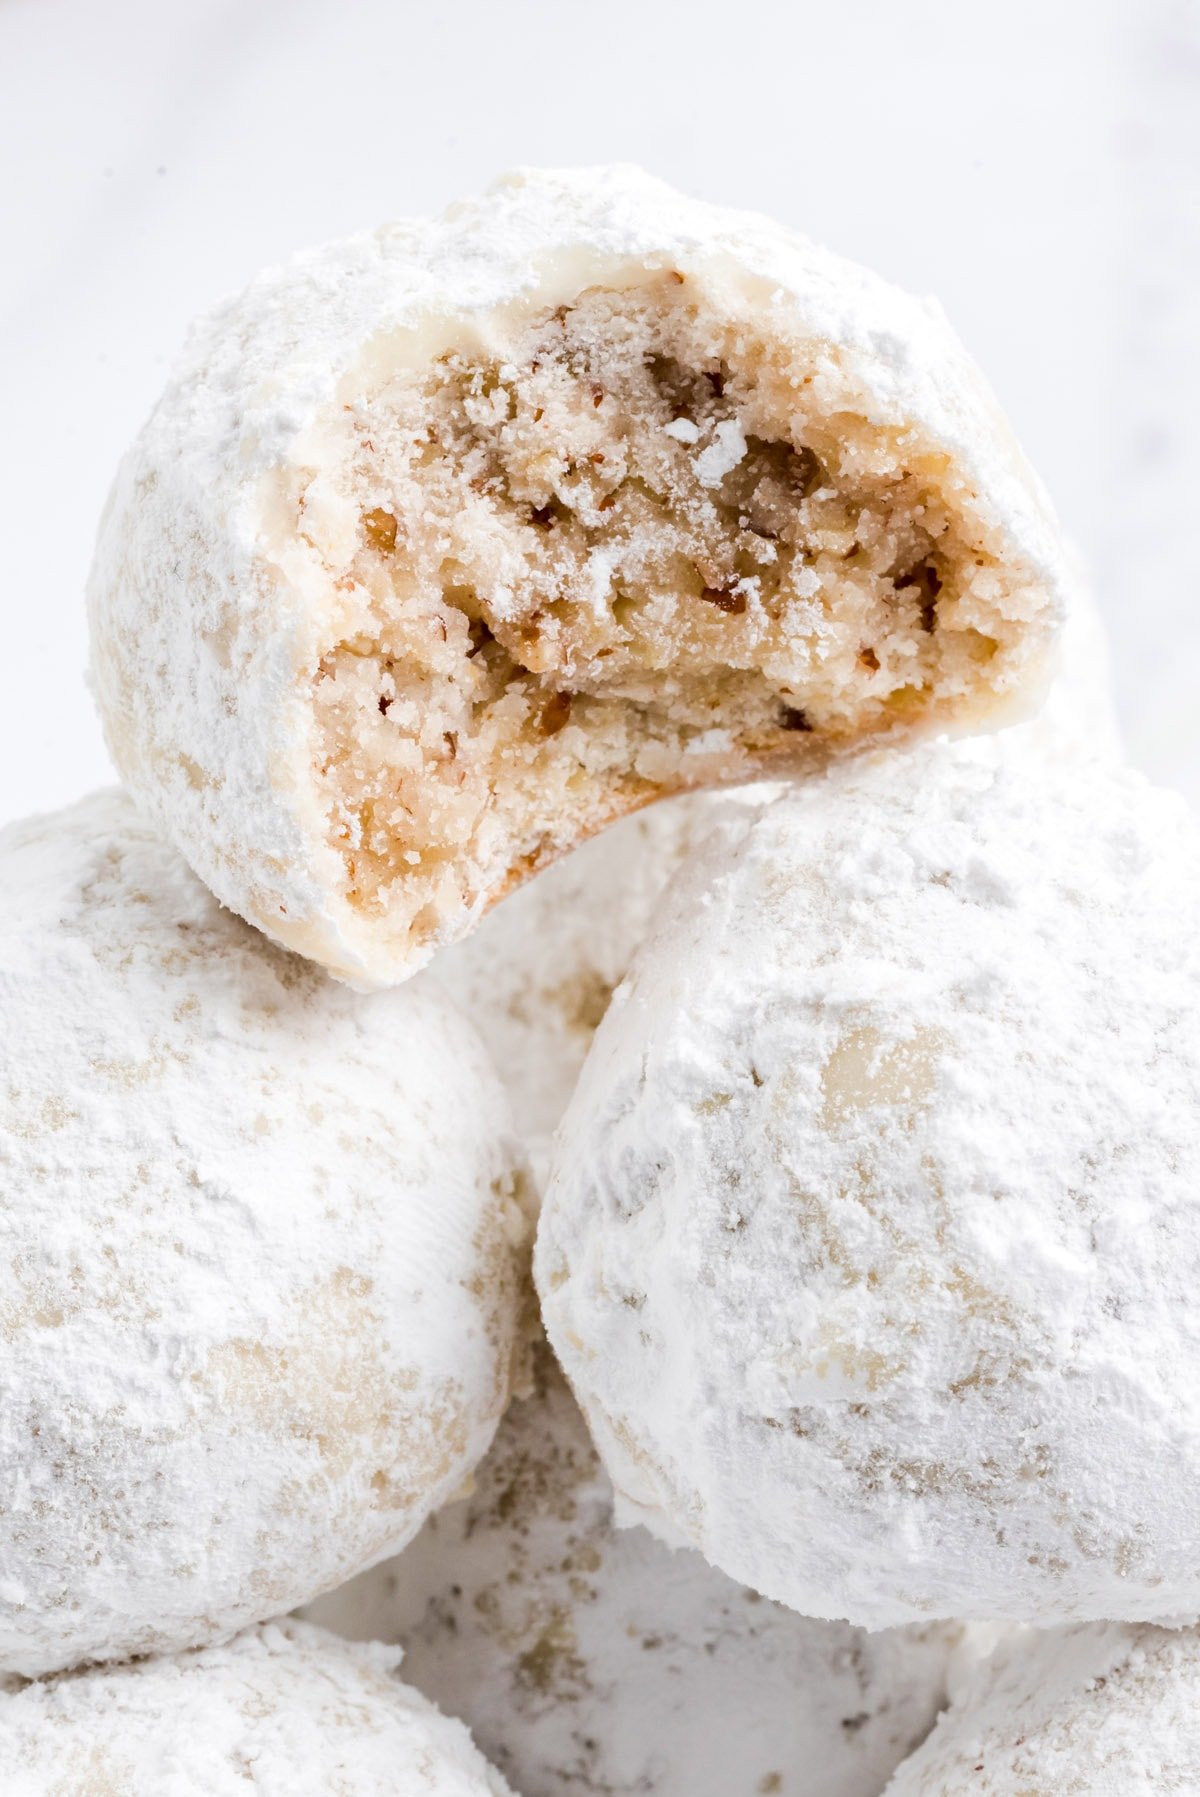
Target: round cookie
(1106, 1710)
(281, 1711)
(448, 544)
(584, 1657)
(871, 1245)
(260, 1256)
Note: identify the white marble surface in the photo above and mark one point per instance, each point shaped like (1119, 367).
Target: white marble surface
(1036, 166)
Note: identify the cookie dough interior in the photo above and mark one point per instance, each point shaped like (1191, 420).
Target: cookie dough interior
(626, 546)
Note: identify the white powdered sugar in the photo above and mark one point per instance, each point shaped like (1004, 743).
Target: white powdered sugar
(212, 611)
(260, 1256)
(870, 1248)
(1102, 1710)
(536, 974)
(282, 1711)
(585, 1657)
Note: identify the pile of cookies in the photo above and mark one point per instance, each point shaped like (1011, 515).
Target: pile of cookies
(618, 765)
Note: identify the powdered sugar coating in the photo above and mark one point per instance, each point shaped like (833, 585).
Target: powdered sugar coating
(870, 1245)
(260, 1256)
(204, 702)
(1106, 1710)
(586, 1657)
(537, 974)
(282, 1711)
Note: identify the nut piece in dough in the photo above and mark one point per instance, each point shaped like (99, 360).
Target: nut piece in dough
(284, 1711)
(260, 1263)
(871, 1247)
(448, 544)
(589, 1658)
(1102, 1711)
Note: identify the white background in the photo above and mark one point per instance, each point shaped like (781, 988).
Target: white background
(1036, 163)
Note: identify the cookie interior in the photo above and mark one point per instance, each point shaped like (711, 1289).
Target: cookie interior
(638, 543)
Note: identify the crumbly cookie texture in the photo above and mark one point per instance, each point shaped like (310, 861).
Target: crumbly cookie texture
(537, 974)
(282, 1711)
(871, 1247)
(450, 543)
(584, 1657)
(261, 1265)
(1090, 1711)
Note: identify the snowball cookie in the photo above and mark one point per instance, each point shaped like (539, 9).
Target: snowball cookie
(1107, 1711)
(871, 1246)
(588, 1658)
(286, 1711)
(450, 543)
(259, 1256)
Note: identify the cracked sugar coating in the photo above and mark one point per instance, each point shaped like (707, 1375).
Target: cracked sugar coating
(871, 1246)
(282, 1711)
(1094, 1711)
(584, 1657)
(259, 1256)
(450, 543)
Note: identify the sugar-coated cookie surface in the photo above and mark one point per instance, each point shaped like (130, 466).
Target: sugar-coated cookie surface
(287, 1710)
(536, 976)
(871, 1246)
(450, 543)
(260, 1256)
(584, 1657)
(1098, 1710)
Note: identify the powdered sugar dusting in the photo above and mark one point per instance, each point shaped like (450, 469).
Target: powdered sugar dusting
(536, 976)
(1106, 1709)
(870, 1240)
(587, 1657)
(285, 1708)
(262, 1256)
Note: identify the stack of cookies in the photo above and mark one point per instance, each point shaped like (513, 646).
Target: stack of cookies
(616, 753)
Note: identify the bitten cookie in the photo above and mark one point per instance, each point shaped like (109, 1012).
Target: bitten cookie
(1105, 1711)
(260, 1256)
(448, 544)
(585, 1657)
(871, 1245)
(282, 1711)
